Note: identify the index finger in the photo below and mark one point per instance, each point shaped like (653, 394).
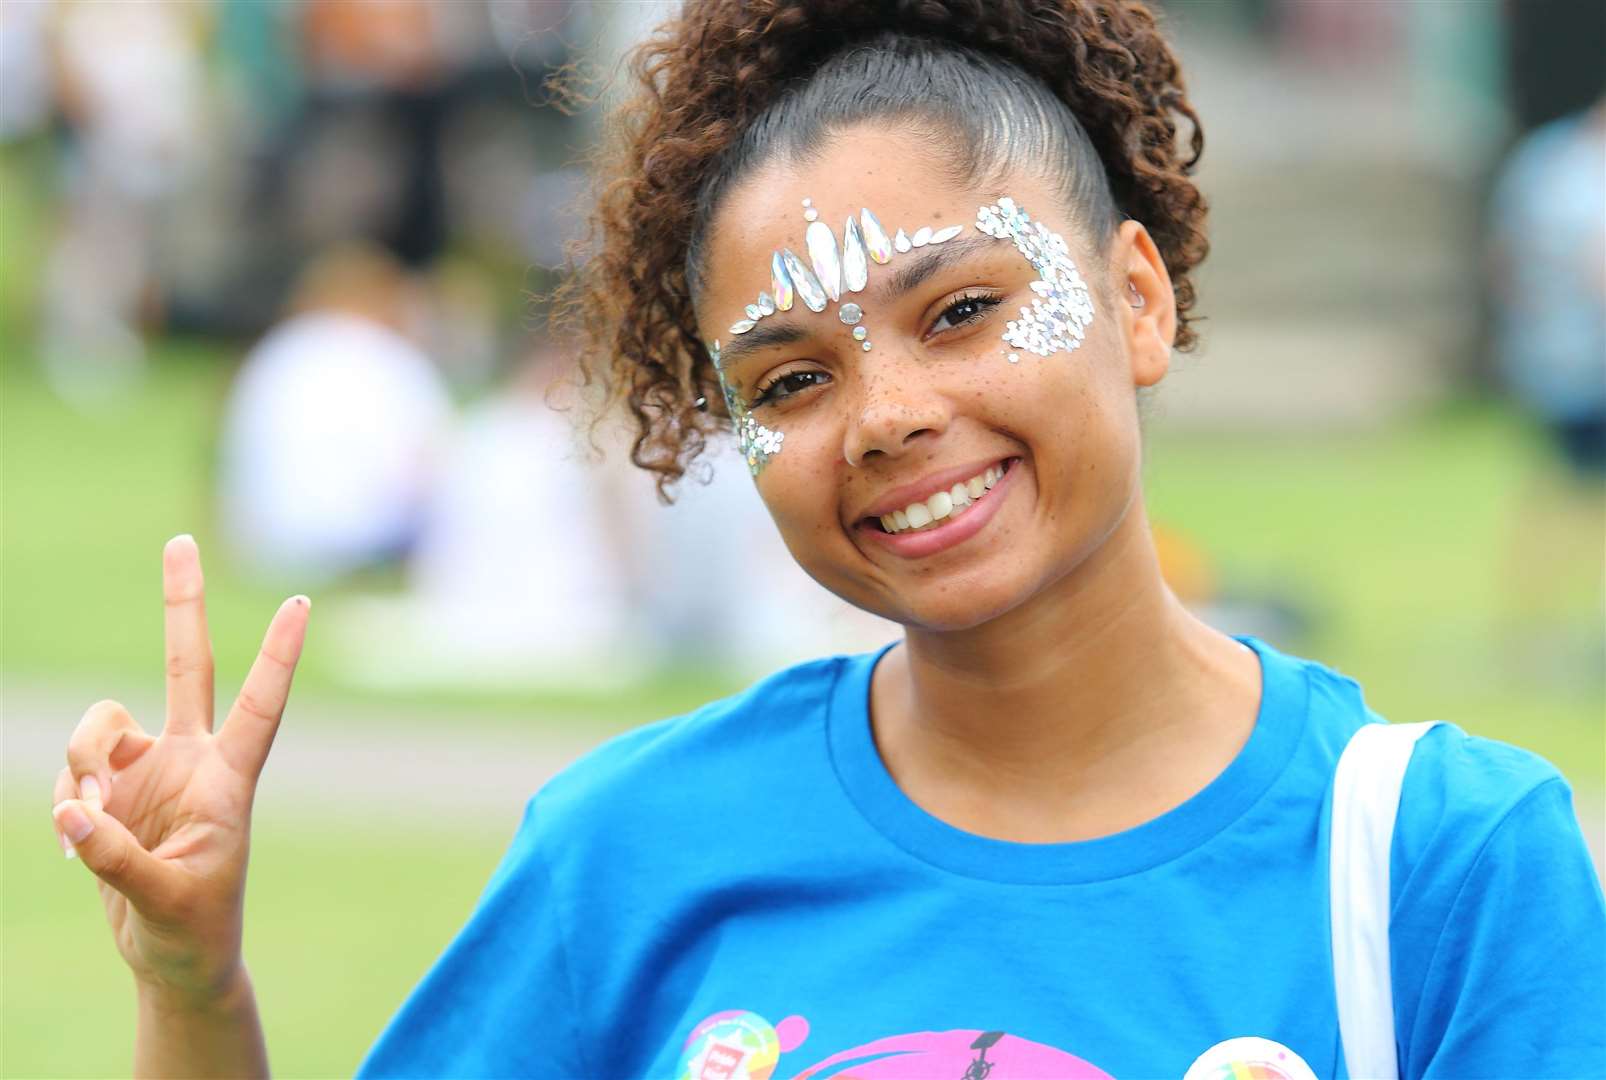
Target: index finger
(189, 651)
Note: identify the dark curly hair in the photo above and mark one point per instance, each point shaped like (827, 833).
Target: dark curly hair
(1088, 91)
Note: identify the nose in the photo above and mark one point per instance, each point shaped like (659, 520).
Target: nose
(896, 409)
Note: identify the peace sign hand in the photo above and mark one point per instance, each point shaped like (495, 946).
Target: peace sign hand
(164, 822)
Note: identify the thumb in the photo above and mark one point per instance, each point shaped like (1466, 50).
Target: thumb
(109, 850)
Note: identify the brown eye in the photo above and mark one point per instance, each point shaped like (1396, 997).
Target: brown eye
(966, 309)
(791, 383)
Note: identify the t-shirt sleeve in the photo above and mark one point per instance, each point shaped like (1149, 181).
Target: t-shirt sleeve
(499, 1001)
(1514, 976)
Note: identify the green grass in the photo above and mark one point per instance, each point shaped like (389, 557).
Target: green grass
(340, 924)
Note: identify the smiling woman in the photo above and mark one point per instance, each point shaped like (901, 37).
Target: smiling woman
(927, 255)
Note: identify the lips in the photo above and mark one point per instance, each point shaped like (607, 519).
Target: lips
(957, 525)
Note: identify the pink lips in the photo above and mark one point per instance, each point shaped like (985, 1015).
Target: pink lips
(917, 545)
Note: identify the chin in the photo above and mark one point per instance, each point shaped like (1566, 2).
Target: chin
(946, 607)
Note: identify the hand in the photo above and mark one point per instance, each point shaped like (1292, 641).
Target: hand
(164, 821)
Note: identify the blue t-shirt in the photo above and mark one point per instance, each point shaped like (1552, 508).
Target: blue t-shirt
(745, 891)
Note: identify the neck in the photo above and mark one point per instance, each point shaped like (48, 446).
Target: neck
(1040, 723)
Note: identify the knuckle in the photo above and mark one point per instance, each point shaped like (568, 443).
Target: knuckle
(252, 705)
(183, 665)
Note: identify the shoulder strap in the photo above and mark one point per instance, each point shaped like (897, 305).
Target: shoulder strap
(1366, 798)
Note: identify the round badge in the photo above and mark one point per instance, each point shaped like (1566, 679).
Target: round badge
(1249, 1058)
(730, 1046)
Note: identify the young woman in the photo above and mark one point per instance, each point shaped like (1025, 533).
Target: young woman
(924, 258)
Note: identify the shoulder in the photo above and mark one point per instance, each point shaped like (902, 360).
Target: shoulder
(726, 754)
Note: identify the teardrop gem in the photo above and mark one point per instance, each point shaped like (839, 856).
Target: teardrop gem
(823, 254)
(753, 312)
(742, 326)
(808, 286)
(947, 234)
(855, 260)
(781, 282)
(901, 241)
(766, 306)
(850, 314)
(860, 333)
(922, 236)
(875, 237)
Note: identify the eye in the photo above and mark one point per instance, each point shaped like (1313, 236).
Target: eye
(966, 309)
(786, 385)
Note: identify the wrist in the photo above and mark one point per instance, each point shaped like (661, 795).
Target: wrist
(223, 996)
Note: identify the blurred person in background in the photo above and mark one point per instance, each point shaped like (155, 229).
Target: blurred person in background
(333, 428)
(129, 89)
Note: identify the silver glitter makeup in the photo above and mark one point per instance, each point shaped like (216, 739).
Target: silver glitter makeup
(758, 444)
(1059, 316)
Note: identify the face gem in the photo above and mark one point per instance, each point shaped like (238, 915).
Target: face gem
(781, 282)
(742, 326)
(1063, 309)
(860, 333)
(901, 241)
(766, 306)
(945, 235)
(855, 260)
(811, 214)
(808, 202)
(808, 286)
(875, 237)
(866, 346)
(850, 313)
(1014, 358)
(753, 312)
(922, 237)
(827, 261)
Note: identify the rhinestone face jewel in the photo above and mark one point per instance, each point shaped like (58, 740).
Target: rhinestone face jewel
(860, 333)
(811, 214)
(942, 236)
(808, 286)
(866, 346)
(855, 259)
(922, 236)
(1063, 309)
(901, 241)
(742, 326)
(753, 312)
(827, 261)
(781, 282)
(875, 237)
(850, 313)
(766, 306)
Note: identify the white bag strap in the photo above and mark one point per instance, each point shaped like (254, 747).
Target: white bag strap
(1366, 798)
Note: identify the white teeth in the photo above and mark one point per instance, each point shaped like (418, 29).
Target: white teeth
(942, 505)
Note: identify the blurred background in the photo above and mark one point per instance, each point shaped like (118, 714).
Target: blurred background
(272, 274)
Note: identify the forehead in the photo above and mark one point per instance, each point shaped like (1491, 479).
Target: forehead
(899, 177)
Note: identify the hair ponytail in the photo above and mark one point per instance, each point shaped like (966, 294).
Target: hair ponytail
(717, 67)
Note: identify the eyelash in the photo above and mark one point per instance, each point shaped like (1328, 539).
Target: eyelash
(984, 301)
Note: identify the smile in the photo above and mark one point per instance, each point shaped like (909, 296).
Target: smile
(929, 513)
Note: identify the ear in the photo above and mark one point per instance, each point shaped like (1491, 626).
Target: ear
(1144, 302)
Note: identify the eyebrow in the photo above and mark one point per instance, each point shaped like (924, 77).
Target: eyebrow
(908, 277)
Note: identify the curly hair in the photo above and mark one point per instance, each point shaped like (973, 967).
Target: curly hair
(714, 78)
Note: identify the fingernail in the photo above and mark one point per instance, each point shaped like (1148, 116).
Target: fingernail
(304, 601)
(89, 791)
(74, 823)
(66, 848)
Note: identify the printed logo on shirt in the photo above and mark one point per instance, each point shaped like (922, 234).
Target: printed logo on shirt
(740, 1045)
